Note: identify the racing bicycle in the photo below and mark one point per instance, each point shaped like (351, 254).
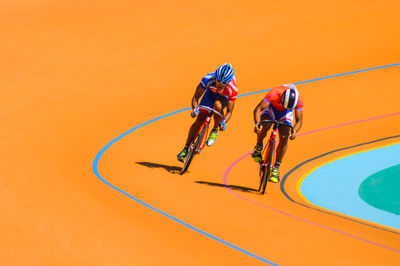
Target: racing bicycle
(269, 154)
(200, 139)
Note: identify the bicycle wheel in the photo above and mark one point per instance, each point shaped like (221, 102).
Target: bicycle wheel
(263, 167)
(267, 170)
(192, 150)
(262, 172)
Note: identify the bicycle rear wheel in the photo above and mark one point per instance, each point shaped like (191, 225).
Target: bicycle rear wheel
(192, 150)
(267, 168)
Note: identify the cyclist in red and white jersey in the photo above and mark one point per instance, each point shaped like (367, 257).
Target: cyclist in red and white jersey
(280, 104)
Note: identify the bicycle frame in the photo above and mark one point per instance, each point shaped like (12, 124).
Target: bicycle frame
(196, 146)
(268, 154)
(206, 124)
(272, 139)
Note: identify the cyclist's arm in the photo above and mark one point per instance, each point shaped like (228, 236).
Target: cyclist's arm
(229, 110)
(298, 115)
(258, 110)
(198, 93)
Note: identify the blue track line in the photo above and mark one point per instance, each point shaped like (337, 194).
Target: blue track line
(101, 152)
(347, 73)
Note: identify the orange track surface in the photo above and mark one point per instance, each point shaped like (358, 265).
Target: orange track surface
(76, 74)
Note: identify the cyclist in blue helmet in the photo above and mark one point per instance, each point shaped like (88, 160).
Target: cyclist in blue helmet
(219, 91)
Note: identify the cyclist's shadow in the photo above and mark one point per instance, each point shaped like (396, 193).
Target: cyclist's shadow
(177, 170)
(170, 169)
(233, 187)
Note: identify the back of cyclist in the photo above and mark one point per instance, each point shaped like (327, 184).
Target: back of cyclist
(282, 104)
(219, 91)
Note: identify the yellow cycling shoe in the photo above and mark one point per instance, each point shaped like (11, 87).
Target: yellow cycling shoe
(257, 153)
(274, 178)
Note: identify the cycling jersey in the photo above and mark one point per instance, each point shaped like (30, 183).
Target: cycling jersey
(209, 83)
(273, 97)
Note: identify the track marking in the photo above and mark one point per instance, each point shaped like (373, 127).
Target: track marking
(96, 161)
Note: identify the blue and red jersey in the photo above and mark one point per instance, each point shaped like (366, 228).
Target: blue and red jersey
(209, 83)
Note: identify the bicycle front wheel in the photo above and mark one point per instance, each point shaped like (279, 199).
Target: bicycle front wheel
(268, 164)
(193, 148)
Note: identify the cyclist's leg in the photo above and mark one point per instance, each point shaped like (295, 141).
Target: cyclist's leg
(267, 114)
(284, 133)
(219, 105)
(280, 152)
(207, 100)
(194, 129)
(257, 152)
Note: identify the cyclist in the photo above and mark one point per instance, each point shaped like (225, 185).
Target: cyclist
(220, 91)
(278, 104)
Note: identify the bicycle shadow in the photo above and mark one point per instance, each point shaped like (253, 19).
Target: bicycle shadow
(233, 187)
(169, 168)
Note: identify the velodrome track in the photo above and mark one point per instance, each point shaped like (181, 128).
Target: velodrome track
(94, 99)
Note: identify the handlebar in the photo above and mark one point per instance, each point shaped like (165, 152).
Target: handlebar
(276, 124)
(211, 110)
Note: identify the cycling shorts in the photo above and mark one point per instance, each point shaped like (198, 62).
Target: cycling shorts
(210, 97)
(285, 116)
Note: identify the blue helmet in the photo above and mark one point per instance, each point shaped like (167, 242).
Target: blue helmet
(224, 73)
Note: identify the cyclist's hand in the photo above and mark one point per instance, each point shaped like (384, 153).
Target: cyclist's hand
(292, 134)
(194, 112)
(257, 128)
(222, 125)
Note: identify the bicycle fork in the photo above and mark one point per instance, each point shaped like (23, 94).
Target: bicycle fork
(266, 150)
(202, 143)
